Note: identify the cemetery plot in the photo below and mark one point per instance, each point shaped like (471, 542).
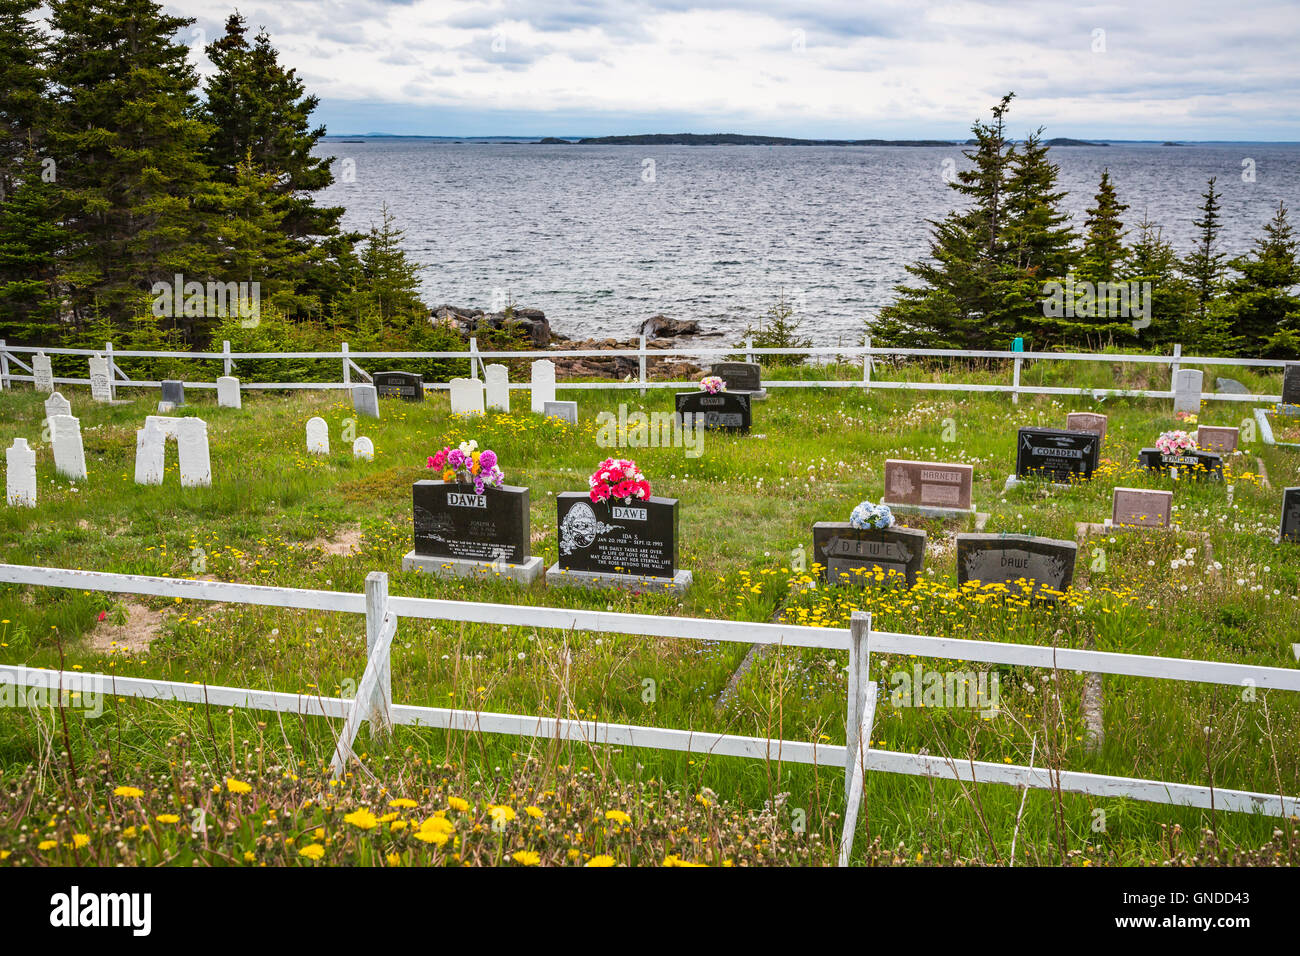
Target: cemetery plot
(408, 386)
(616, 543)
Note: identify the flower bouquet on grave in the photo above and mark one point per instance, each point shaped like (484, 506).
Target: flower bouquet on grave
(1175, 443)
(619, 479)
(467, 465)
(713, 384)
(871, 517)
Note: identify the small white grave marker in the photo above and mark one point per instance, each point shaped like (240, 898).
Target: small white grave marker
(192, 453)
(20, 474)
(69, 453)
(318, 437)
(363, 447)
(150, 443)
(543, 384)
(42, 372)
(228, 392)
(56, 404)
(467, 396)
(101, 379)
(497, 383)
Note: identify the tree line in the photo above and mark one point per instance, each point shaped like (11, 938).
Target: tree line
(1008, 265)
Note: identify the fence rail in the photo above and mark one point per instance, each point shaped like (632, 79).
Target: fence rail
(373, 704)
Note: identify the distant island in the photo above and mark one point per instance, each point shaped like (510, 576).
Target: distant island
(739, 139)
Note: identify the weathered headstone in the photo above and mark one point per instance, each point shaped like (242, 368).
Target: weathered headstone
(318, 437)
(848, 555)
(1087, 422)
(1056, 454)
(1290, 530)
(497, 384)
(928, 484)
(69, 453)
(1219, 438)
(192, 453)
(408, 386)
(228, 392)
(56, 404)
(1141, 507)
(543, 385)
(564, 411)
(613, 543)
(167, 424)
(459, 532)
(20, 474)
(365, 400)
(740, 376)
(101, 379)
(1190, 464)
(725, 411)
(1008, 558)
(173, 391)
(1187, 390)
(150, 449)
(467, 396)
(42, 372)
(1230, 386)
(1291, 384)
(363, 447)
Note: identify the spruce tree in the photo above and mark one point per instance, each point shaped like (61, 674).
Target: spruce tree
(1210, 331)
(1153, 267)
(385, 284)
(1103, 242)
(1261, 303)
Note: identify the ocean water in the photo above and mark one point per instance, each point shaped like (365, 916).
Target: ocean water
(602, 237)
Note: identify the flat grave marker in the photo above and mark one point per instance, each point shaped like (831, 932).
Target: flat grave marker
(1141, 508)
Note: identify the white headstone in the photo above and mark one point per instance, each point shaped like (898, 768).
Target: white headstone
(101, 379)
(565, 411)
(69, 453)
(192, 453)
(318, 437)
(1187, 390)
(466, 396)
(56, 404)
(363, 447)
(150, 447)
(365, 400)
(42, 372)
(497, 385)
(166, 408)
(228, 392)
(20, 474)
(167, 424)
(543, 384)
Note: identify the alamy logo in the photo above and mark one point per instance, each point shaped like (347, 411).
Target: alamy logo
(946, 689)
(75, 909)
(178, 298)
(1119, 300)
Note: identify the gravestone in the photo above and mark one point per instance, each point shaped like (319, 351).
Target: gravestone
(496, 384)
(1190, 464)
(848, 554)
(928, 484)
(1217, 438)
(192, 453)
(1141, 507)
(1290, 530)
(20, 474)
(101, 379)
(740, 376)
(365, 400)
(1087, 422)
(1007, 558)
(1056, 454)
(564, 411)
(610, 543)
(69, 453)
(42, 373)
(1187, 390)
(168, 425)
(318, 437)
(543, 385)
(363, 447)
(726, 411)
(173, 392)
(1230, 386)
(467, 396)
(228, 392)
(56, 404)
(1291, 385)
(460, 533)
(408, 386)
(150, 446)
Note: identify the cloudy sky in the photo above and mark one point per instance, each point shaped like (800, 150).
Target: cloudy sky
(1144, 69)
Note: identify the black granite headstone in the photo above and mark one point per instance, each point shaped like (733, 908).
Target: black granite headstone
(1291, 385)
(847, 553)
(1006, 558)
(452, 521)
(1191, 464)
(1291, 515)
(174, 392)
(1056, 454)
(726, 411)
(740, 376)
(611, 537)
(407, 386)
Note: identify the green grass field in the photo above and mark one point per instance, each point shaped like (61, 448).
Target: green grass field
(1215, 587)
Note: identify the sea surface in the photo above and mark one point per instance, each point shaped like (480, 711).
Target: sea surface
(602, 237)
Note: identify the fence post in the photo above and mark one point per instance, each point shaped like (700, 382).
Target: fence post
(641, 360)
(866, 365)
(473, 357)
(859, 677)
(1018, 346)
(379, 708)
(4, 365)
(112, 371)
(749, 344)
(1173, 366)
(226, 364)
(347, 364)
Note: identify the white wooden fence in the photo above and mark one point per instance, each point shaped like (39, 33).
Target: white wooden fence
(866, 354)
(373, 700)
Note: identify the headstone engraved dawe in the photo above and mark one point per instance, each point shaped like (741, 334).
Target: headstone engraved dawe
(850, 555)
(1011, 558)
(460, 532)
(615, 543)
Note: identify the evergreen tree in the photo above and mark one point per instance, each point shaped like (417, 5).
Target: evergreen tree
(1103, 243)
(385, 283)
(1261, 303)
(1210, 331)
(1154, 267)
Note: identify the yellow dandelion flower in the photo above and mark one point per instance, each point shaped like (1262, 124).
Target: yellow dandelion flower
(47, 844)
(403, 803)
(601, 860)
(168, 818)
(458, 803)
(618, 816)
(312, 851)
(534, 812)
(501, 815)
(527, 858)
(362, 819)
(130, 792)
(238, 786)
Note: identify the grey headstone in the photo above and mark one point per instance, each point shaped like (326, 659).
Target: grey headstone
(543, 384)
(1290, 530)
(42, 372)
(565, 411)
(150, 448)
(740, 376)
(1291, 385)
(192, 453)
(1187, 390)
(173, 391)
(1007, 558)
(56, 404)
(365, 400)
(101, 379)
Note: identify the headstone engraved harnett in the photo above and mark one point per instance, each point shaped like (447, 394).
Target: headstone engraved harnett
(616, 543)
(543, 385)
(408, 386)
(1141, 507)
(921, 485)
(724, 411)
(20, 474)
(69, 453)
(1290, 530)
(467, 396)
(849, 555)
(42, 373)
(1217, 438)
(1009, 558)
(496, 382)
(460, 532)
(1056, 454)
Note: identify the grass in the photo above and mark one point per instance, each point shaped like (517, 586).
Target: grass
(1215, 587)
